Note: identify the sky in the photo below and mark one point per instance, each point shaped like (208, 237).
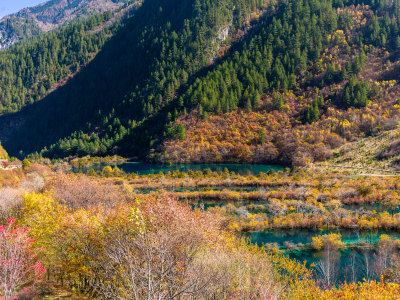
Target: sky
(11, 6)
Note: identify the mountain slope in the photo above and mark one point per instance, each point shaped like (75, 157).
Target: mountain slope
(228, 81)
(138, 72)
(31, 70)
(298, 89)
(380, 152)
(3, 153)
(48, 16)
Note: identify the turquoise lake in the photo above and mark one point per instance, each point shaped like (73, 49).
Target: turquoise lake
(345, 258)
(360, 256)
(145, 168)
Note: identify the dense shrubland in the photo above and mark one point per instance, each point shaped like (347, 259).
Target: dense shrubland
(278, 200)
(99, 240)
(3, 153)
(281, 200)
(88, 229)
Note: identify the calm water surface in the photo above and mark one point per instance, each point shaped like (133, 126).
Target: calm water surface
(311, 258)
(345, 257)
(144, 168)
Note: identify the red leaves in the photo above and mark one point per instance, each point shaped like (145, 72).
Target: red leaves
(18, 262)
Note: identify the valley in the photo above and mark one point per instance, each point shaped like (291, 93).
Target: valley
(175, 149)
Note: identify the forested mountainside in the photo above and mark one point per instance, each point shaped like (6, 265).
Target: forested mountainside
(30, 70)
(313, 76)
(33, 21)
(138, 73)
(226, 81)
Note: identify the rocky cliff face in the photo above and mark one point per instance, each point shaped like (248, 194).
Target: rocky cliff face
(49, 15)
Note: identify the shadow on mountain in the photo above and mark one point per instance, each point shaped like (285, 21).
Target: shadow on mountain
(99, 88)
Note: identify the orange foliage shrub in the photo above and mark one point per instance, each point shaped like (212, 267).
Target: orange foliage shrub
(79, 191)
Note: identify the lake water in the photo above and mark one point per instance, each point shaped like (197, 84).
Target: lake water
(144, 168)
(350, 264)
(345, 258)
(304, 236)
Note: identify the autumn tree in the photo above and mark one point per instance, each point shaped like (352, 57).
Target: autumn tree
(19, 265)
